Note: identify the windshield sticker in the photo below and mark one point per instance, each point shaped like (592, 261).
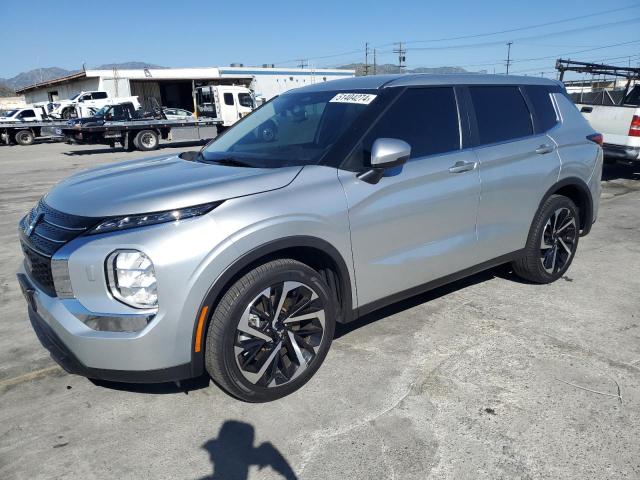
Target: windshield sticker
(361, 98)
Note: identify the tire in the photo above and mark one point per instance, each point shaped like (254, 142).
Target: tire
(244, 330)
(66, 113)
(552, 242)
(24, 137)
(146, 140)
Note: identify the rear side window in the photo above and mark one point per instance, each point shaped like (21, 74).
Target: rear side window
(99, 95)
(425, 118)
(27, 114)
(228, 98)
(545, 114)
(501, 113)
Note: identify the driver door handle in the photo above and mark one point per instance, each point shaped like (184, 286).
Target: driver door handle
(545, 148)
(460, 167)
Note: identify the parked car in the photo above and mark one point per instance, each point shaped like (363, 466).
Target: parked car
(618, 123)
(239, 260)
(97, 99)
(178, 114)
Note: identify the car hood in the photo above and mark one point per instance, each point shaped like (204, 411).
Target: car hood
(160, 183)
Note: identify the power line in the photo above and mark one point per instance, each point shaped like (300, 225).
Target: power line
(518, 29)
(478, 35)
(546, 35)
(489, 63)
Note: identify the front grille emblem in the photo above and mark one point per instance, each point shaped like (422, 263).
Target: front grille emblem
(34, 223)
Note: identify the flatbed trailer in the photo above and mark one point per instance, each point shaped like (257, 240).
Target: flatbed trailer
(25, 133)
(140, 134)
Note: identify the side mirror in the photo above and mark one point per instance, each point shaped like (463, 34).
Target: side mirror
(389, 152)
(385, 153)
(190, 155)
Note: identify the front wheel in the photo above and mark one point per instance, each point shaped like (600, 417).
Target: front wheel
(271, 331)
(552, 242)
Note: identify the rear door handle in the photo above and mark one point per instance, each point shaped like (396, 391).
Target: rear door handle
(545, 148)
(460, 167)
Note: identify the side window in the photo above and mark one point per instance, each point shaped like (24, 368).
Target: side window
(245, 100)
(86, 97)
(27, 114)
(117, 111)
(501, 112)
(545, 114)
(228, 98)
(99, 95)
(425, 118)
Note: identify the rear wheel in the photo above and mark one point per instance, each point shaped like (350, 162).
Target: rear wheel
(146, 140)
(24, 137)
(271, 331)
(552, 242)
(66, 113)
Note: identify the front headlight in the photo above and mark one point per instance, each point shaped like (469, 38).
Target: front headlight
(132, 278)
(143, 220)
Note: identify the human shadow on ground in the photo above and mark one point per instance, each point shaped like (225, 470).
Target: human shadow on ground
(233, 452)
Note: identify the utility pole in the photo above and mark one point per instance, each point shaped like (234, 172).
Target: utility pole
(374, 61)
(366, 58)
(302, 63)
(508, 55)
(402, 58)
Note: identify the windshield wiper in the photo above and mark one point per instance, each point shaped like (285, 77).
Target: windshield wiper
(232, 162)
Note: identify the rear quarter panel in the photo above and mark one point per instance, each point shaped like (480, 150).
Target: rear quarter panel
(579, 157)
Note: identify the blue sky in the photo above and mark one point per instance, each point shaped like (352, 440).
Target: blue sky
(197, 33)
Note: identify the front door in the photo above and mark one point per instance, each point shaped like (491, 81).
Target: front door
(418, 223)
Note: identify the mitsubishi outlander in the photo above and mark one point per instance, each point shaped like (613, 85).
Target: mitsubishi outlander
(328, 202)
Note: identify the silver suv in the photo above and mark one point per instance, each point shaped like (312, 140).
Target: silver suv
(326, 203)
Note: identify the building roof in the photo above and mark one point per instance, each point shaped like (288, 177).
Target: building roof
(54, 81)
(200, 73)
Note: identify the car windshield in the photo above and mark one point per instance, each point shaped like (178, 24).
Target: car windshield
(293, 129)
(10, 113)
(74, 97)
(100, 112)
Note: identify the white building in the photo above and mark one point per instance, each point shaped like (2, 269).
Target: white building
(173, 87)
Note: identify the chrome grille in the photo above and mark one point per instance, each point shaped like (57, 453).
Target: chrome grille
(42, 232)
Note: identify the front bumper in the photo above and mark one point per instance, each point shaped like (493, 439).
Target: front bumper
(621, 152)
(65, 357)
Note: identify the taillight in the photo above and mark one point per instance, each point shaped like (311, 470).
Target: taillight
(634, 128)
(596, 138)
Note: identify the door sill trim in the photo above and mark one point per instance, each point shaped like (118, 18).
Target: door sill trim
(413, 291)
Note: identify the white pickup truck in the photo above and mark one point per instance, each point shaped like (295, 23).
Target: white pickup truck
(95, 100)
(619, 124)
(26, 114)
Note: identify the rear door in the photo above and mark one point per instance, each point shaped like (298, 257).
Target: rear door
(417, 223)
(518, 163)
